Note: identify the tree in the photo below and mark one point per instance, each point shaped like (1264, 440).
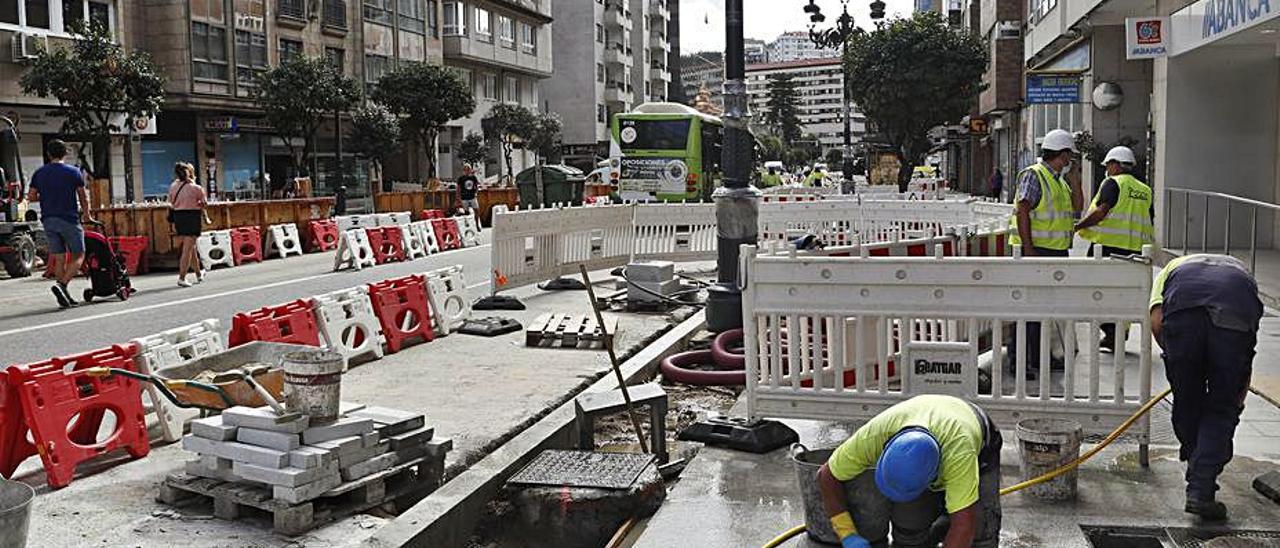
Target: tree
(374, 135)
(544, 136)
(297, 97)
(95, 82)
(508, 125)
(771, 148)
(427, 97)
(912, 75)
(473, 149)
(834, 158)
(782, 116)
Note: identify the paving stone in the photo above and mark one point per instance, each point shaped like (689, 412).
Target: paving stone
(264, 418)
(286, 477)
(309, 456)
(439, 446)
(345, 461)
(369, 466)
(392, 421)
(307, 491)
(197, 467)
(416, 437)
(349, 407)
(236, 451)
(341, 446)
(411, 452)
(280, 441)
(1268, 485)
(371, 439)
(212, 428)
(341, 428)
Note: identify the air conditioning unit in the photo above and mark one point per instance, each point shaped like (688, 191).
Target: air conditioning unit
(1008, 30)
(28, 46)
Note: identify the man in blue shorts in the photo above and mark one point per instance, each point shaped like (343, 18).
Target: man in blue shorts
(57, 186)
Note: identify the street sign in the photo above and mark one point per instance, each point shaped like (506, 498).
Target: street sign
(1146, 37)
(1053, 88)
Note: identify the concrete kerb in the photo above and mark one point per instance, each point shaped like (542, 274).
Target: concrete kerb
(448, 516)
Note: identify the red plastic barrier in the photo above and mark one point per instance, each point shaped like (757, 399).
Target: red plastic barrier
(387, 243)
(447, 234)
(428, 214)
(64, 411)
(402, 309)
(287, 323)
(323, 235)
(246, 244)
(14, 447)
(134, 251)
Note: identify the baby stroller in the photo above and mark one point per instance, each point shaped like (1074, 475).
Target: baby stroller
(105, 267)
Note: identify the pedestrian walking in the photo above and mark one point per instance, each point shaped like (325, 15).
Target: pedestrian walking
(997, 184)
(1046, 206)
(188, 200)
(928, 465)
(1121, 218)
(468, 188)
(60, 189)
(1204, 315)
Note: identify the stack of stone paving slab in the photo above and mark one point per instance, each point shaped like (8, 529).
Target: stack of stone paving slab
(301, 461)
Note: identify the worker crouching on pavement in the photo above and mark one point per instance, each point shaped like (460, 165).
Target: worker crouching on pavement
(930, 466)
(1204, 314)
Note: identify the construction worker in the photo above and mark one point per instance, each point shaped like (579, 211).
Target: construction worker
(928, 464)
(1121, 218)
(771, 178)
(1204, 314)
(1046, 206)
(815, 177)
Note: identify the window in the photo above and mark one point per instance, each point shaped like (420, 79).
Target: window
(512, 92)
(336, 58)
(374, 67)
(528, 38)
(209, 51)
(454, 22)
(411, 17)
(37, 13)
(251, 59)
(296, 9)
(483, 22)
(600, 113)
(289, 49)
(490, 86)
(507, 31)
(433, 21)
(335, 14)
(599, 33)
(378, 11)
(599, 72)
(1039, 8)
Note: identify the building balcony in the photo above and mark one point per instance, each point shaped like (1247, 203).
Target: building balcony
(541, 9)
(616, 14)
(617, 53)
(658, 9)
(617, 92)
(466, 49)
(659, 73)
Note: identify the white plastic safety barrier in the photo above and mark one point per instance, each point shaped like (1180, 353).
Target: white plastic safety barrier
(541, 244)
(171, 348)
(468, 229)
(413, 246)
(447, 293)
(844, 338)
(348, 222)
(354, 250)
(283, 240)
(214, 248)
(348, 324)
(427, 235)
(399, 218)
(676, 232)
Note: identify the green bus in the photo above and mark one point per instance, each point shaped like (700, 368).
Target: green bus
(668, 152)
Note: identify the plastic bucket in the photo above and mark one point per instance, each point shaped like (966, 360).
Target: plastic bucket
(15, 512)
(816, 521)
(1045, 445)
(313, 383)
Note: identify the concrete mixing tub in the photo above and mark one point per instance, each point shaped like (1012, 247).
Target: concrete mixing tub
(253, 353)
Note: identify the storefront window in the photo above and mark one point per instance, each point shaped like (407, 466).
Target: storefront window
(241, 165)
(158, 158)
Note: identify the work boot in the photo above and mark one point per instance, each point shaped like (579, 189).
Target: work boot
(1208, 510)
(60, 293)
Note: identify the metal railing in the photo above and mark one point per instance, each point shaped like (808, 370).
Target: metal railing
(1206, 199)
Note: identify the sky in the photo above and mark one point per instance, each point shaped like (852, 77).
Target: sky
(702, 21)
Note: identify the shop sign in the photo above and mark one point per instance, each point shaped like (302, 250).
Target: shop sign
(221, 124)
(1053, 88)
(1146, 37)
(1209, 20)
(141, 126)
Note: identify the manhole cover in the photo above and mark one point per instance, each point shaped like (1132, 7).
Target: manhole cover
(1208, 538)
(583, 469)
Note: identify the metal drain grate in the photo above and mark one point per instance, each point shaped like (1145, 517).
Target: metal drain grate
(1208, 538)
(583, 469)
(1161, 430)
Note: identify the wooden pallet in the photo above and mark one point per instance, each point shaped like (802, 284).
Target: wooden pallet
(568, 331)
(234, 500)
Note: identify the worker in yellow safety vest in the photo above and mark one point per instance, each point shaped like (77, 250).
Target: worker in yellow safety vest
(815, 178)
(1121, 218)
(771, 178)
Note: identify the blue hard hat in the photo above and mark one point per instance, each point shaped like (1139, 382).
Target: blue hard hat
(908, 464)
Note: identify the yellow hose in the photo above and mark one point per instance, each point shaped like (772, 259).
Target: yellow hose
(1146, 407)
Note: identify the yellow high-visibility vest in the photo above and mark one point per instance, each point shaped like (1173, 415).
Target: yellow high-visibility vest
(1052, 221)
(1128, 225)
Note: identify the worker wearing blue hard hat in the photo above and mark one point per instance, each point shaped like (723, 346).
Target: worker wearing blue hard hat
(929, 467)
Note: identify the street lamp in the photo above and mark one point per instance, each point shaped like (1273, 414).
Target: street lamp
(838, 36)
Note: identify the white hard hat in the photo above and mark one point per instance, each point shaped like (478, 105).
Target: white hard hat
(1119, 154)
(1058, 139)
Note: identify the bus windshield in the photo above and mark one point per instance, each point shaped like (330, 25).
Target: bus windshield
(654, 134)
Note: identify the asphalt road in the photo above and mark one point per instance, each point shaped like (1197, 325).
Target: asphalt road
(32, 328)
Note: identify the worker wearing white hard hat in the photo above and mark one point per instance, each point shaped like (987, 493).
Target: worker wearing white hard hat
(1121, 218)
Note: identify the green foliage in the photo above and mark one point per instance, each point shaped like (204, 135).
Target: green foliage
(374, 133)
(94, 78)
(544, 135)
(427, 97)
(473, 149)
(802, 151)
(911, 75)
(298, 95)
(834, 159)
(508, 125)
(771, 147)
(782, 116)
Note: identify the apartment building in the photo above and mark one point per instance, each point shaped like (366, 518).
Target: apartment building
(610, 58)
(818, 84)
(699, 70)
(503, 49)
(795, 46)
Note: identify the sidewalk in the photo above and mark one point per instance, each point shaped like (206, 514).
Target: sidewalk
(476, 390)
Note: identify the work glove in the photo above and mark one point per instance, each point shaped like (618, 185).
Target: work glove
(842, 524)
(854, 541)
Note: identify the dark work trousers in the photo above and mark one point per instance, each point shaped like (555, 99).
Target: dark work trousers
(924, 521)
(1033, 328)
(1208, 368)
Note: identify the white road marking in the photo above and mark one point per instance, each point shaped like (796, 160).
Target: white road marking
(186, 301)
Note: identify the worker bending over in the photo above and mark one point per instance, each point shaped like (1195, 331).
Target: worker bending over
(1204, 315)
(929, 463)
